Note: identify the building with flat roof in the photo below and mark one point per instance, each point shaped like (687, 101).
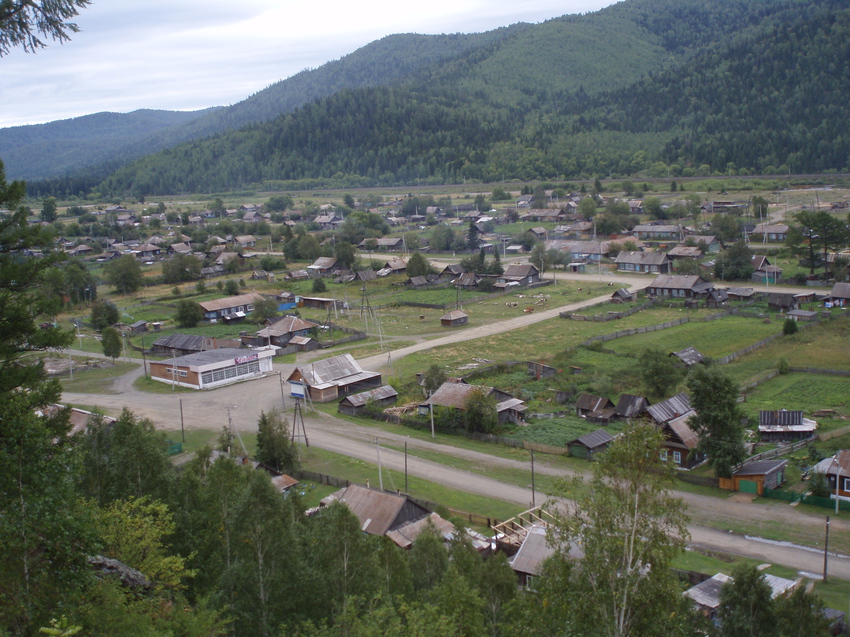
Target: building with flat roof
(213, 368)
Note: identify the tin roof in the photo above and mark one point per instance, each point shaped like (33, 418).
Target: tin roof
(379, 393)
(594, 439)
(781, 417)
(670, 409)
(454, 315)
(707, 593)
(680, 427)
(689, 356)
(533, 551)
(333, 371)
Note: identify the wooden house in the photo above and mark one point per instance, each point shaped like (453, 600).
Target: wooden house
(679, 286)
(782, 302)
(331, 378)
(837, 472)
(840, 295)
(524, 274)
(656, 262)
(680, 443)
(231, 307)
(455, 395)
(323, 266)
(378, 511)
(281, 332)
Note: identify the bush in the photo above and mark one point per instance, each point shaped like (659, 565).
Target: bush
(783, 366)
(789, 327)
(819, 485)
(319, 285)
(189, 313)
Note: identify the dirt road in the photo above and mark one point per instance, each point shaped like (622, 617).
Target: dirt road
(246, 400)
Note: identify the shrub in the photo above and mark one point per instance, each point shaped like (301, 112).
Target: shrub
(104, 314)
(783, 366)
(319, 285)
(819, 485)
(789, 327)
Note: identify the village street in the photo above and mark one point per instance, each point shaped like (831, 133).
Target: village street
(246, 400)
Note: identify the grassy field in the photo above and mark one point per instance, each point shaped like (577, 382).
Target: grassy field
(713, 338)
(548, 341)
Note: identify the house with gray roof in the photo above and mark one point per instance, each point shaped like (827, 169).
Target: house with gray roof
(327, 379)
(631, 261)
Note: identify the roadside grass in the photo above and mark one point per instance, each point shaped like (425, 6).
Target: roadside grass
(321, 461)
(151, 386)
(714, 338)
(98, 380)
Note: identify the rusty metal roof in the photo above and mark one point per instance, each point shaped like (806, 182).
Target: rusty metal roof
(670, 409)
(680, 427)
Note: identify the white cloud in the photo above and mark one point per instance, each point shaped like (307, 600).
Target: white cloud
(191, 54)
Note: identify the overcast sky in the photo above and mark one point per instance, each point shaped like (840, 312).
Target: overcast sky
(192, 54)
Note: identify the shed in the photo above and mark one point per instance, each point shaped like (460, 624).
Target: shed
(455, 318)
(405, 535)
(755, 477)
(382, 396)
(690, 356)
(706, 595)
(623, 295)
(589, 445)
(802, 315)
(837, 471)
(330, 378)
(587, 404)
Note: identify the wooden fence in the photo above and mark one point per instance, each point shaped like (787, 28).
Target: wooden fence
(835, 433)
(779, 451)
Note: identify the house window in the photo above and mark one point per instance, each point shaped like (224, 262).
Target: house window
(846, 484)
(663, 455)
(677, 457)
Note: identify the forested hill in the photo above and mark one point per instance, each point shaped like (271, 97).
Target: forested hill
(43, 150)
(651, 87)
(102, 142)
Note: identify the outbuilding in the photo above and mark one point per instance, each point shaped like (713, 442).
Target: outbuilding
(455, 318)
(755, 477)
(213, 368)
(589, 445)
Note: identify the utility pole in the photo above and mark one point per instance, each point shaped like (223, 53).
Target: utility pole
(380, 474)
(533, 503)
(825, 549)
(431, 411)
(182, 430)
